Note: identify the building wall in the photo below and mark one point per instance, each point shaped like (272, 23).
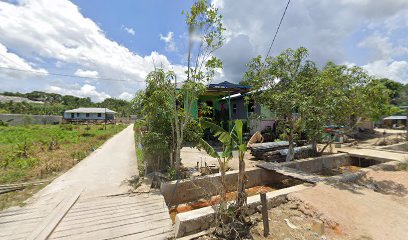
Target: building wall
(82, 116)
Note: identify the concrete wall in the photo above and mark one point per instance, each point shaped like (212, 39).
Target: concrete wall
(191, 190)
(313, 165)
(20, 119)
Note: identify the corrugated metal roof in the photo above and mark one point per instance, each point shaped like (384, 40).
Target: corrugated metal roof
(90, 110)
(396, 118)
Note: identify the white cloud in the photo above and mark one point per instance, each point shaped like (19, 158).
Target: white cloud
(131, 31)
(330, 30)
(382, 47)
(395, 70)
(169, 41)
(11, 60)
(86, 73)
(80, 91)
(126, 96)
(55, 30)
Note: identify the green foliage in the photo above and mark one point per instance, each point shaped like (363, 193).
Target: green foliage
(156, 151)
(193, 133)
(305, 98)
(29, 152)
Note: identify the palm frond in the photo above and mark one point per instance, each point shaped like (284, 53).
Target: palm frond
(208, 149)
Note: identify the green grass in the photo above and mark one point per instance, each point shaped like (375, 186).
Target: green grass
(139, 152)
(39, 151)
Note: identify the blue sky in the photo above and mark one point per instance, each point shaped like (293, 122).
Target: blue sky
(124, 40)
(147, 18)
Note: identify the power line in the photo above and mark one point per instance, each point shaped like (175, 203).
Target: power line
(277, 30)
(67, 75)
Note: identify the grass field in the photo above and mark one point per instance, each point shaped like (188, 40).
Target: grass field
(34, 152)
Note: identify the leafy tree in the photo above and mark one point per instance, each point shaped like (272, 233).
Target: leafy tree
(395, 89)
(204, 37)
(306, 99)
(280, 85)
(341, 95)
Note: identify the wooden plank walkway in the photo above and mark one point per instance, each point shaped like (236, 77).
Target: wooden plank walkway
(142, 216)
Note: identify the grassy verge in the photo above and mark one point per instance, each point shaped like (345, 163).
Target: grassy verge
(34, 152)
(139, 153)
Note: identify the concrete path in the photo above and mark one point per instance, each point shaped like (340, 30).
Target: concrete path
(94, 194)
(379, 155)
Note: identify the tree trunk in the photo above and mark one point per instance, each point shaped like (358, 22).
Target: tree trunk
(314, 147)
(241, 195)
(223, 192)
(291, 149)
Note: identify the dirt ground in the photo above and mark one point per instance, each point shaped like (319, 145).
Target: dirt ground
(374, 208)
(190, 156)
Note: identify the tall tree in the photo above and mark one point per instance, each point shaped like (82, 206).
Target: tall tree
(280, 85)
(204, 37)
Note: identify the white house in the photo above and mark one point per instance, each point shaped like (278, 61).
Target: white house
(89, 114)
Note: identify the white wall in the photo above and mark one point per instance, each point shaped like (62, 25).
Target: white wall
(92, 116)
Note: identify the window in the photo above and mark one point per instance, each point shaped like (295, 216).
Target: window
(234, 108)
(87, 115)
(99, 114)
(72, 115)
(77, 114)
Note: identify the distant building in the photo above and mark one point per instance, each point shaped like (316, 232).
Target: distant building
(395, 121)
(89, 114)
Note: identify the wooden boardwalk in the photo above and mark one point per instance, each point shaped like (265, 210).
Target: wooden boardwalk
(143, 216)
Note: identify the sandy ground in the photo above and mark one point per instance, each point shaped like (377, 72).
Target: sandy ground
(190, 157)
(347, 211)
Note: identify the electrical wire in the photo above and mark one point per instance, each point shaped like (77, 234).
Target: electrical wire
(67, 75)
(277, 30)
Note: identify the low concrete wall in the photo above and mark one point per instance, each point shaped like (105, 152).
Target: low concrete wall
(191, 222)
(403, 147)
(21, 119)
(313, 165)
(190, 190)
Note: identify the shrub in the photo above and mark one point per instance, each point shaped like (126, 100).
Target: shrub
(156, 151)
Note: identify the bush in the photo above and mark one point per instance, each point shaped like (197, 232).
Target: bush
(156, 151)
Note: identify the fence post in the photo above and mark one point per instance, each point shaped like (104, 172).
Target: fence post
(265, 217)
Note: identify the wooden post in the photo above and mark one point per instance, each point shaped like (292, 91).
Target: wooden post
(105, 119)
(265, 217)
(406, 123)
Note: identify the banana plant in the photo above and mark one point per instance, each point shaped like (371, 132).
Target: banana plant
(232, 140)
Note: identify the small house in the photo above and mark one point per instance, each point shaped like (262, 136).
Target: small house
(395, 121)
(89, 115)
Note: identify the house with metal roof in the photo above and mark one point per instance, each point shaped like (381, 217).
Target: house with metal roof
(89, 114)
(395, 121)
